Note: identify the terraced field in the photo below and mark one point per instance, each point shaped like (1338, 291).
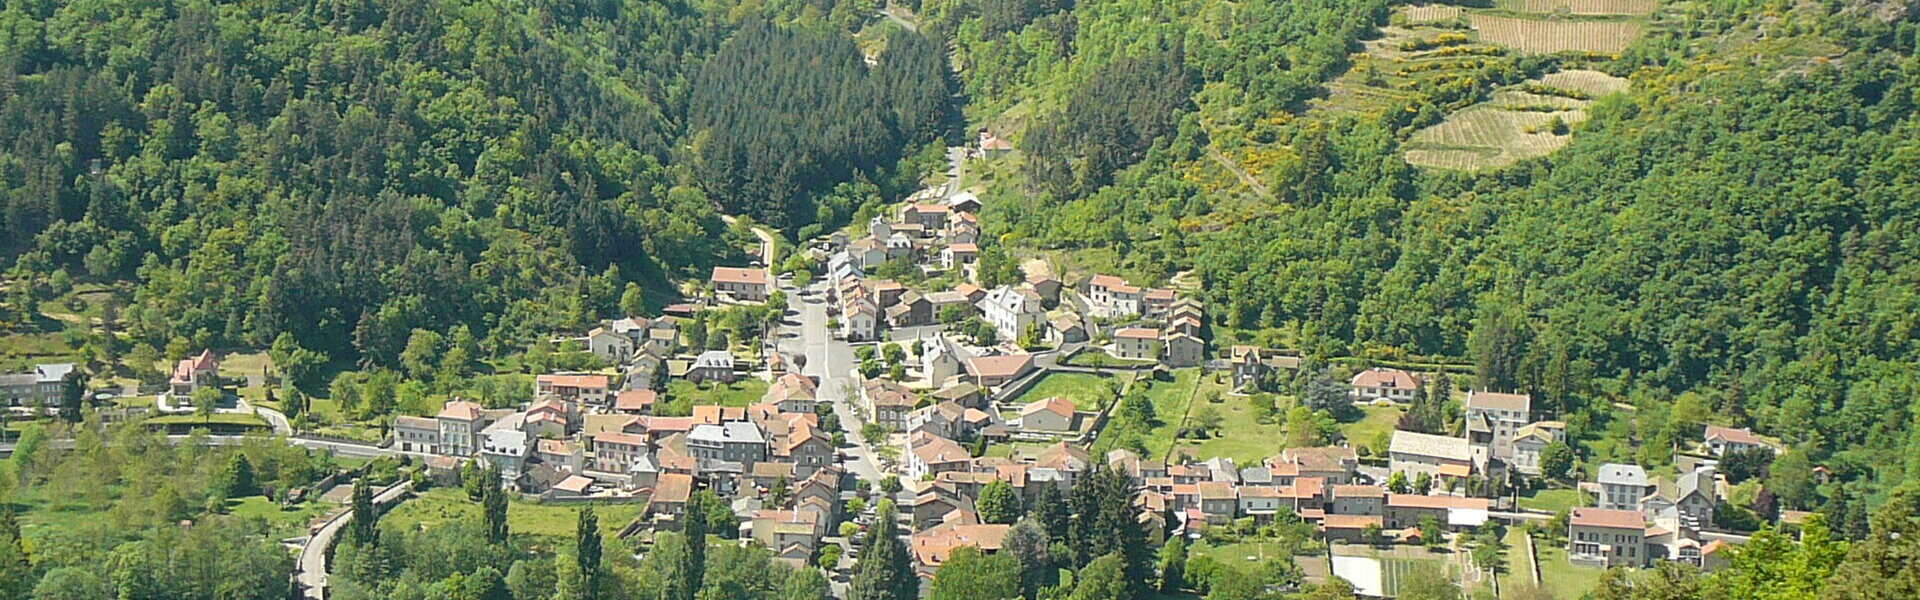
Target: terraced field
(1547, 36)
(1582, 7)
(1513, 125)
(1432, 13)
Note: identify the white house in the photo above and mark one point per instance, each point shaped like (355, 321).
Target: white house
(1622, 487)
(1011, 310)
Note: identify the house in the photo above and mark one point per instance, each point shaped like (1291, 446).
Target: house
(866, 253)
(1052, 414)
(993, 146)
(42, 387)
(615, 452)
(995, 371)
(460, 423)
(1351, 529)
(562, 454)
(635, 402)
(930, 217)
(962, 393)
(1695, 497)
(1622, 487)
(793, 393)
(944, 419)
(1334, 464)
(1532, 440)
(933, 545)
(929, 454)
(1722, 440)
(1156, 302)
(1410, 510)
(888, 403)
(1066, 330)
(860, 321)
(670, 494)
(1436, 455)
(1218, 501)
(911, 310)
(1502, 414)
(506, 449)
(574, 486)
(1112, 297)
(959, 255)
(1606, 538)
(744, 285)
(1252, 363)
(1388, 384)
(733, 441)
(963, 204)
(1187, 324)
(1184, 350)
(550, 418)
(808, 448)
(415, 434)
(939, 362)
(1011, 311)
(1137, 343)
(194, 373)
(581, 389)
(1260, 502)
(615, 348)
(788, 527)
(1046, 286)
(1357, 500)
(712, 365)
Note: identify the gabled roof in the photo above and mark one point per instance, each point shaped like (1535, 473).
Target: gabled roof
(1140, 333)
(635, 400)
(673, 488)
(462, 410)
(574, 381)
(1622, 474)
(1006, 365)
(1499, 401)
(1054, 404)
(1603, 517)
(1737, 436)
(1439, 446)
(739, 275)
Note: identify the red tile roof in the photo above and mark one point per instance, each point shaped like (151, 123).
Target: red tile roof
(1603, 517)
(739, 275)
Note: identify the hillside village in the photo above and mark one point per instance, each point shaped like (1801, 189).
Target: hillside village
(865, 388)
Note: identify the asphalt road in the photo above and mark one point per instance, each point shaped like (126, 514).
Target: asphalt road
(313, 556)
(832, 361)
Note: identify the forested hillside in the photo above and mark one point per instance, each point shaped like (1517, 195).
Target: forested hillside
(1738, 225)
(350, 171)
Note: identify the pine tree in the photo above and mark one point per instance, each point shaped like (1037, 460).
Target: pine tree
(1173, 565)
(690, 566)
(998, 505)
(586, 556)
(239, 481)
(1104, 523)
(362, 529)
(885, 571)
(494, 507)
(1051, 510)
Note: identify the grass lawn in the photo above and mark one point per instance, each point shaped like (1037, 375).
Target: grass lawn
(1242, 436)
(1374, 428)
(1245, 555)
(746, 391)
(1170, 400)
(237, 366)
(1561, 578)
(1097, 358)
(1088, 392)
(446, 505)
(1517, 572)
(1552, 500)
(21, 350)
(285, 522)
(135, 402)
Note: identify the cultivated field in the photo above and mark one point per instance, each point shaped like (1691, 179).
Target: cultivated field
(1485, 136)
(1582, 7)
(1544, 36)
(1594, 83)
(1433, 13)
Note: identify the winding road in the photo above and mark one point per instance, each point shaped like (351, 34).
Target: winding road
(312, 572)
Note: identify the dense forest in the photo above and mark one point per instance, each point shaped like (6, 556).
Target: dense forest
(351, 171)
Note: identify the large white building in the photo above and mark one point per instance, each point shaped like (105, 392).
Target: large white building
(1012, 310)
(1622, 487)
